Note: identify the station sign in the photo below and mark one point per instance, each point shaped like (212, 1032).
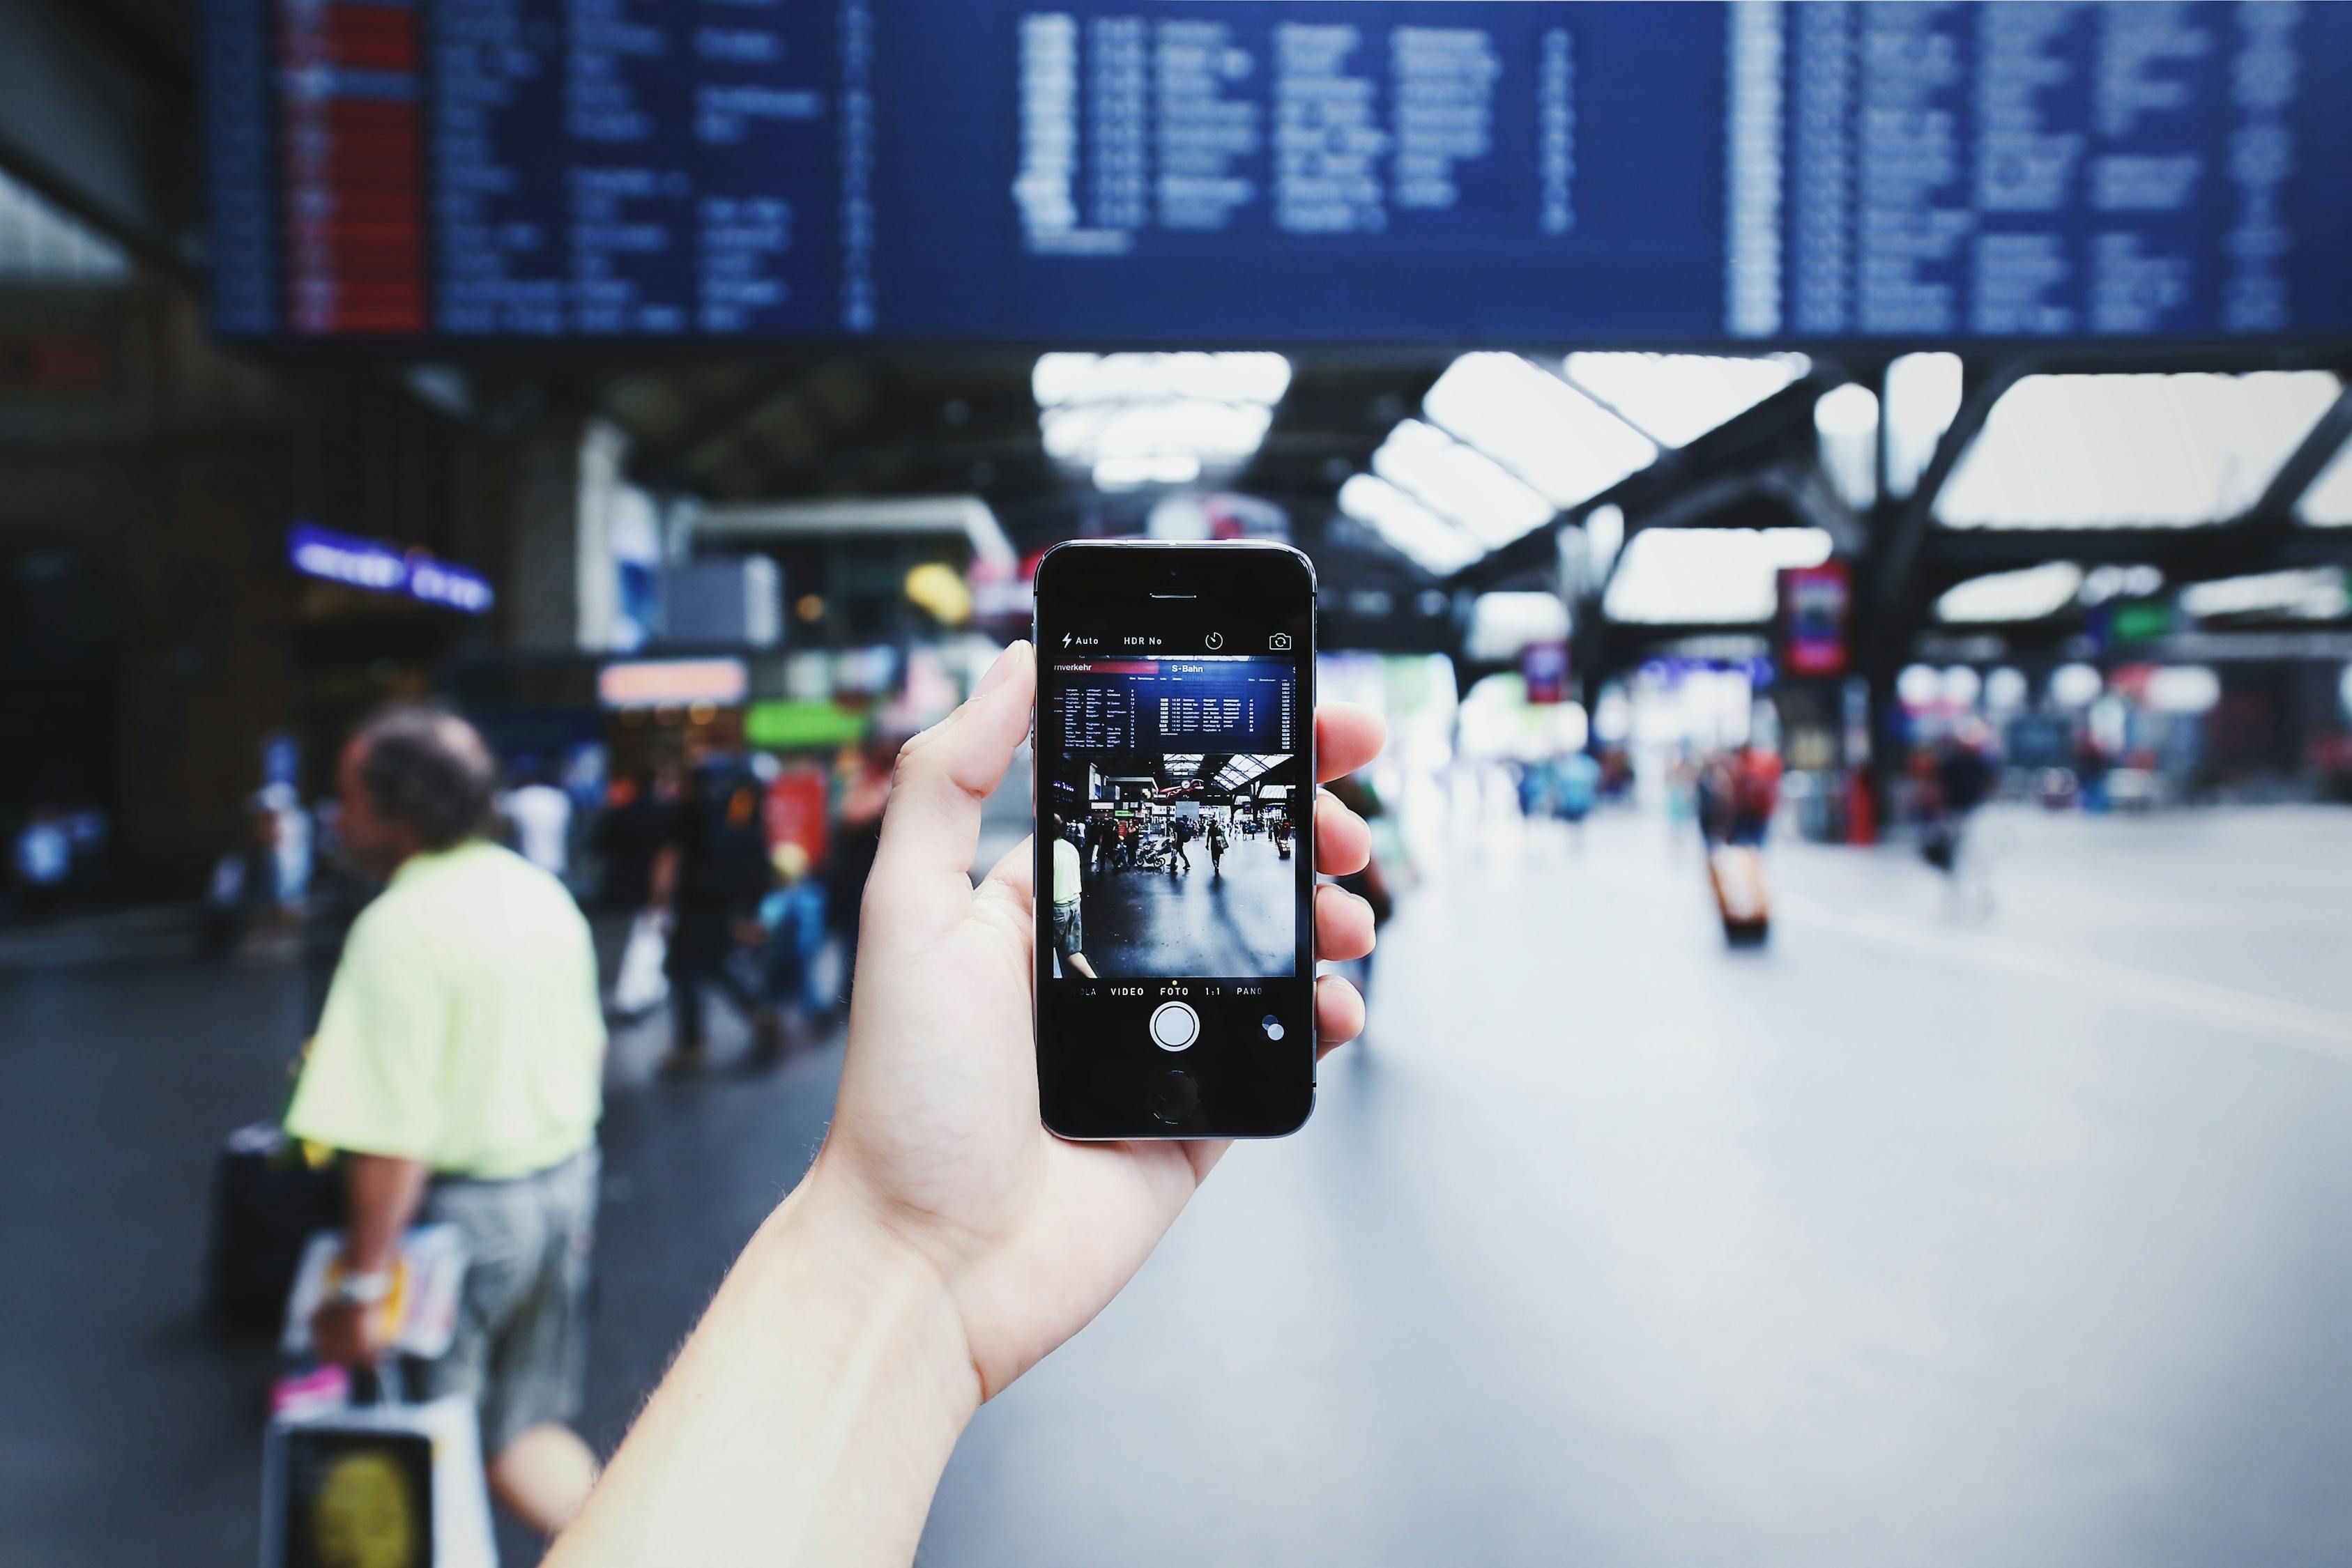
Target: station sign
(1815, 601)
(663, 683)
(378, 568)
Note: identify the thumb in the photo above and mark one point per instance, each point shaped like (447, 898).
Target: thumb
(921, 882)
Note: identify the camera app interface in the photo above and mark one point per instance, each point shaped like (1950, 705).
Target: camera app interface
(1169, 792)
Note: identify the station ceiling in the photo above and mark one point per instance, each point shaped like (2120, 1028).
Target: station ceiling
(802, 422)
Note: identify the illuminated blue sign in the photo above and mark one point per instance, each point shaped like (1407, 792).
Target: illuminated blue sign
(378, 568)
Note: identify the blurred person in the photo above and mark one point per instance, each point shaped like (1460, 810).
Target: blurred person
(1578, 789)
(541, 815)
(244, 882)
(42, 862)
(459, 1066)
(1754, 794)
(711, 875)
(628, 839)
(1711, 788)
(2091, 766)
(1069, 909)
(1962, 765)
(1682, 797)
(1216, 847)
(1535, 789)
(291, 845)
(943, 1242)
(793, 916)
(1179, 835)
(856, 839)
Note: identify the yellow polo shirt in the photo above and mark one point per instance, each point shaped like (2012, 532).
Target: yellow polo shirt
(464, 1027)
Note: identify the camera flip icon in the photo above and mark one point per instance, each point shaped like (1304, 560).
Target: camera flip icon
(1279, 643)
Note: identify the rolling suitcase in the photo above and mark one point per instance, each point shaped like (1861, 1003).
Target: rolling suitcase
(268, 1200)
(1741, 896)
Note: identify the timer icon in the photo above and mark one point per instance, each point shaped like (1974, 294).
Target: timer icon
(1215, 640)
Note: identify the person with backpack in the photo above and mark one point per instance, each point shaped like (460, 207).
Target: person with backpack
(1216, 847)
(712, 874)
(1754, 794)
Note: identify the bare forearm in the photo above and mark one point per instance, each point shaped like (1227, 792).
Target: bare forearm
(382, 1194)
(382, 1200)
(808, 1417)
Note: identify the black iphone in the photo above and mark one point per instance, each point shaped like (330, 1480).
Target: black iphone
(1175, 759)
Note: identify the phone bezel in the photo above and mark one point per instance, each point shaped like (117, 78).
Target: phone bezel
(1269, 1091)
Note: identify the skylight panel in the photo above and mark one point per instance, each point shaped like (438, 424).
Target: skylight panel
(2329, 503)
(1459, 484)
(1560, 443)
(1708, 576)
(2125, 451)
(1412, 529)
(1677, 398)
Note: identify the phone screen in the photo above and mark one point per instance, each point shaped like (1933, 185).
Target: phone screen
(1174, 807)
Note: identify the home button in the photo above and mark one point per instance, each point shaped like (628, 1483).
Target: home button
(1174, 1026)
(1174, 1097)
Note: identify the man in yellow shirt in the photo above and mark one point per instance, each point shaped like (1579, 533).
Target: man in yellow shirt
(458, 1065)
(1069, 908)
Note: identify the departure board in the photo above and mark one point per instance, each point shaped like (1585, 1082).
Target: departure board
(1237, 173)
(1176, 705)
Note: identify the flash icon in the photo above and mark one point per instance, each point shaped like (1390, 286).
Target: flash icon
(1066, 639)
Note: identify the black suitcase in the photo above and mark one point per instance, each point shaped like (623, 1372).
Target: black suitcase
(267, 1202)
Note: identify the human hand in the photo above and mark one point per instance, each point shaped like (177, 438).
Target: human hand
(936, 1138)
(347, 1334)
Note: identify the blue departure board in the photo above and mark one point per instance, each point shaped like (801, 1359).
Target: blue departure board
(1238, 173)
(1179, 706)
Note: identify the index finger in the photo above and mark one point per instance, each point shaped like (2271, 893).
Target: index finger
(1346, 736)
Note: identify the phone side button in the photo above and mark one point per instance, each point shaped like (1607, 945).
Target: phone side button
(1174, 1097)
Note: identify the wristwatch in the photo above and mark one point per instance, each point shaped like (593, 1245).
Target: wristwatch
(358, 1290)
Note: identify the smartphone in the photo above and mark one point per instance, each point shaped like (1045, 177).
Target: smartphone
(1175, 788)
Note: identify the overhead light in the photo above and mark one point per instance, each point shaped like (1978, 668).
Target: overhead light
(1459, 483)
(2102, 583)
(1059, 379)
(1503, 625)
(1677, 398)
(2126, 451)
(2028, 595)
(1156, 419)
(2313, 594)
(2076, 686)
(1212, 432)
(1845, 423)
(2004, 690)
(1560, 443)
(1420, 534)
(1147, 468)
(2183, 688)
(1708, 576)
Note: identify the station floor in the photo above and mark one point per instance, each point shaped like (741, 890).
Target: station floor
(1232, 918)
(1914, 1238)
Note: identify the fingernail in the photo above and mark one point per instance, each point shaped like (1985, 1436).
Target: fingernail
(997, 672)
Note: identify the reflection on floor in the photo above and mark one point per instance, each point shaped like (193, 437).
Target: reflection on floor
(1237, 922)
(1904, 1240)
